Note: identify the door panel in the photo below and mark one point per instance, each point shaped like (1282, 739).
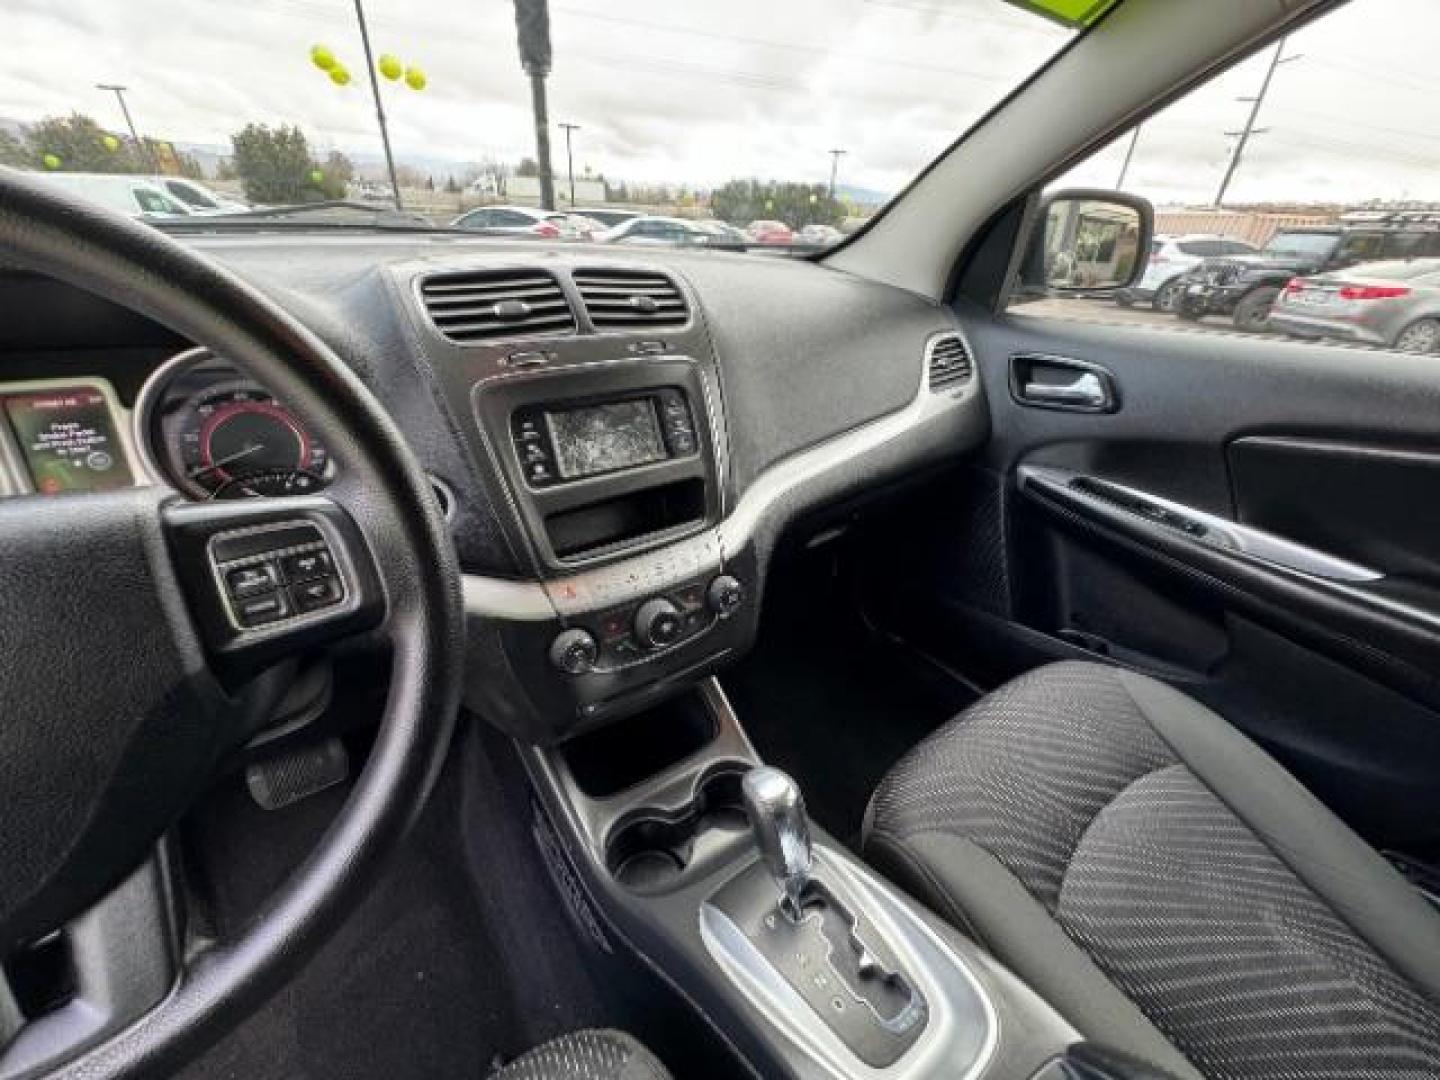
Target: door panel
(1283, 565)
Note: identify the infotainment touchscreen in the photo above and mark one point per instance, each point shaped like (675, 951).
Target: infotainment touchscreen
(602, 438)
(68, 439)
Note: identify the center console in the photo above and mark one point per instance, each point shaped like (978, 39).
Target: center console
(666, 835)
(615, 471)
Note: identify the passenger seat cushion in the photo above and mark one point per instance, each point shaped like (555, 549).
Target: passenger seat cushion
(586, 1055)
(1076, 784)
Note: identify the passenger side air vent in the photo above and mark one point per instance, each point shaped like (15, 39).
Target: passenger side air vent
(949, 362)
(486, 304)
(631, 299)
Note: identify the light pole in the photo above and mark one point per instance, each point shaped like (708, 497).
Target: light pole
(1129, 153)
(835, 156)
(1250, 129)
(379, 108)
(532, 25)
(140, 148)
(570, 160)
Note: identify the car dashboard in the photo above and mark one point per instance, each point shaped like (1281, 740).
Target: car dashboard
(617, 441)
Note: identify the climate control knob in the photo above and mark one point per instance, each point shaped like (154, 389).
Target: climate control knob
(658, 624)
(574, 651)
(725, 595)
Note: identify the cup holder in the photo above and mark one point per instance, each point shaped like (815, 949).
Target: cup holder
(654, 849)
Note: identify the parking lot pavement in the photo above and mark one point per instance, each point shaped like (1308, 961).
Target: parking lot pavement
(1107, 311)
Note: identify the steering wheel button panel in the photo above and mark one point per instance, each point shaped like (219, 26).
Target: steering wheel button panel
(307, 565)
(259, 610)
(246, 581)
(316, 594)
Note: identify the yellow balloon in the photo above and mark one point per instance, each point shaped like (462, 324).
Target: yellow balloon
(51, 161)
(111, 143)
(322, 57)
(390, 66)
(339, 76)
(415, 79)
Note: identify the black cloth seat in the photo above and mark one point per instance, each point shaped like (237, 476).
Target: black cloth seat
(596, 1054)
(1166, 884)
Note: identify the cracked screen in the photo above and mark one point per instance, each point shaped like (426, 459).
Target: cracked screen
(603, 438)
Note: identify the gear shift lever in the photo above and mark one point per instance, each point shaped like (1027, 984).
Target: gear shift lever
(776, 810)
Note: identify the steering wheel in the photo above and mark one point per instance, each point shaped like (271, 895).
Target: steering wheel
(130, 671)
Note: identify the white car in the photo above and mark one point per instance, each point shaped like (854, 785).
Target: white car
(606, 215)
(135, 196)
(196, 197)
(521, 221)
(1171, 257)
(652, 229)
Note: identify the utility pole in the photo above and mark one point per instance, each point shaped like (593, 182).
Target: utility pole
(141, 149)
(532, 24)
(1249, 128)
(1129, 153)
(570, 160)
(379, 108)
(835, 156)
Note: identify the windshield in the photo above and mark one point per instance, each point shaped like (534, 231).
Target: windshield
(1304, 245)
(791, 121)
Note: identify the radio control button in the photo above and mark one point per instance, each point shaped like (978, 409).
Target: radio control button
(259, 610)
(574, 651)
(250, 580)
(307, 565)
(658, 623)
(725, 595)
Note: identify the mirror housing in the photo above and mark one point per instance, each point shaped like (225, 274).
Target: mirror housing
(1086, 241)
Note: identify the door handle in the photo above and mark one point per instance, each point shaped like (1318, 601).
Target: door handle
(1059, 382)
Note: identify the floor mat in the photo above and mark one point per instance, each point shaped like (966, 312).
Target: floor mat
(829, 698)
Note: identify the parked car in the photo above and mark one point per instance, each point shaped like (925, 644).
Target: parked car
(521, 221)
(819, 235)
(134, 196)
(1244, 287)
(652, 229)
(606, 216)
(1392, 304)
(765, 231)
(1171, 258)
(196, 197)
(723, 234)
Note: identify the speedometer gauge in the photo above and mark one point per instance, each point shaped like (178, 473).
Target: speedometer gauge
(237, 442)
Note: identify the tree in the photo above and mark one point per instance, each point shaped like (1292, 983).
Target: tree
(527, 167)
(452, 187)
(338, 172)
(742, 201)
(82, 145)
(14, 152)
(274, 164)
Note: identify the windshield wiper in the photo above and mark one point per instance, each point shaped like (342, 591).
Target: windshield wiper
(334, 213)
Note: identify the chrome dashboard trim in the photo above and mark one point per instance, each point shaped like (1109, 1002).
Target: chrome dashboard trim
(530, 601)
(145, 402)
(1245, 539)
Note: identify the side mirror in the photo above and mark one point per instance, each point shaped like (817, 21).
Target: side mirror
(1085, 241)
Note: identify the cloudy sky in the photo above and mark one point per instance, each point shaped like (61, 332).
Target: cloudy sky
(702, 92)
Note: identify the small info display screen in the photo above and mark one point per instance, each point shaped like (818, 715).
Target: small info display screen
(602, 438)
(68, 440)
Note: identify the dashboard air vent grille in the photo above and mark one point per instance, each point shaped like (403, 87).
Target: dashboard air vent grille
(631, 299)
(949, 362)
(486, 304)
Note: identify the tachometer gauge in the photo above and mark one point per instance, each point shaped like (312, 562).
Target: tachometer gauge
(237, 442)
(269, 484)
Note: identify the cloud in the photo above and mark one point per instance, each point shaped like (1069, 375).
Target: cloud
(698, 94)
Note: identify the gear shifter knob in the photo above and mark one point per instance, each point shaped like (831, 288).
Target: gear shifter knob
(776, 810)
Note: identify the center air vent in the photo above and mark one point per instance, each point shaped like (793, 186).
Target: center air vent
(949, 361)
(630, 299)
(487, 304)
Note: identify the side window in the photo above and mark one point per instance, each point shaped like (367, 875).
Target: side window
(1306, 158)
(476, 219)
